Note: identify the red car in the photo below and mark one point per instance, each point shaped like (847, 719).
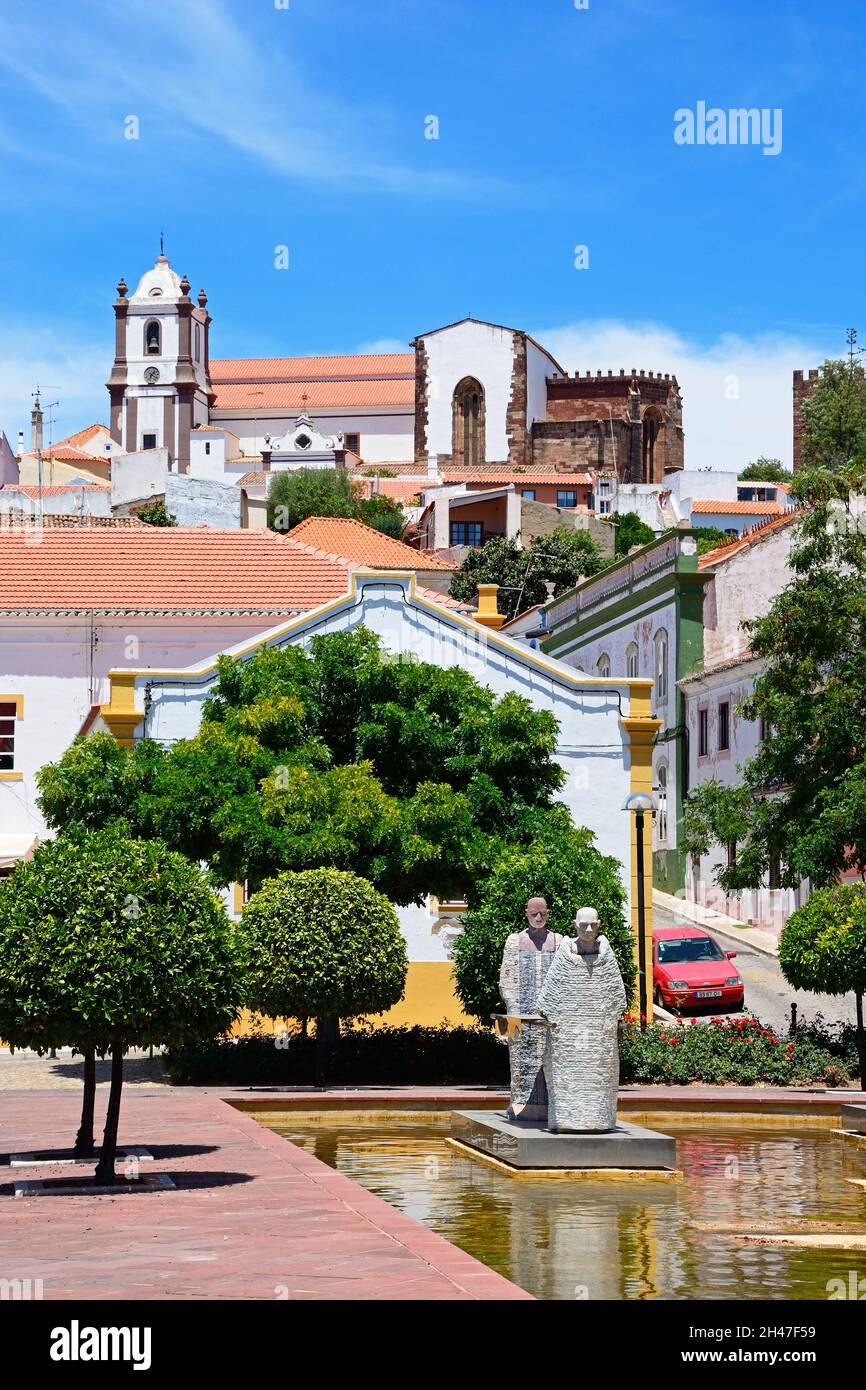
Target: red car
(690, 970)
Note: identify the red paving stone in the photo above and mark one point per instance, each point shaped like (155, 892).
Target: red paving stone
(253, 1216)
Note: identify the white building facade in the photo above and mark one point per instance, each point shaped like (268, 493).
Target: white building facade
(643, 618)
(605, 732)
(745, 578)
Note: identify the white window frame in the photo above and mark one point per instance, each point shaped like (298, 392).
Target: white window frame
(662, 813)
(660, 641)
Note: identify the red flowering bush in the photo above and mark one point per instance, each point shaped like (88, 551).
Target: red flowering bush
(739, 1050)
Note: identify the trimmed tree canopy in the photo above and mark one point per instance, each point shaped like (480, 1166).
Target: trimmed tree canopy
(407, 773)
(321, 944)
(823, 943)
(109, 940)
(563, 866)
(823, 948)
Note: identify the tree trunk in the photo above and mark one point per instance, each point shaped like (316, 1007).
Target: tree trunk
(327, 1035)
(861, 1042)
(84, 1146)
(105, 1174)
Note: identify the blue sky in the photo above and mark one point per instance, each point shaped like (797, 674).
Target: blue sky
(262, 126)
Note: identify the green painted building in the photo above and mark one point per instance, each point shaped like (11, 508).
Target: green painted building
(644, 617)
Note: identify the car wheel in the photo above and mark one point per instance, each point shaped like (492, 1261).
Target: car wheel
(657, 998)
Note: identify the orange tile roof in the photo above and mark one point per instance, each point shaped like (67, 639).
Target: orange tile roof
(339, 367)
(82, 437)
(362, 545)
(54, 489)
(400, 489)
(738, 508)
(163, 570)
(64, 453)
(501, 476)
(754, 533)
(444, 600)
(313, 395)
(68, 520)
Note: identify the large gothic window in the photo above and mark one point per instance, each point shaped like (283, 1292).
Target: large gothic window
(467, 443)
(152, 339)
(651, 431)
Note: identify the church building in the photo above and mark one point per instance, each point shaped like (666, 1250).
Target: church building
(471, 394)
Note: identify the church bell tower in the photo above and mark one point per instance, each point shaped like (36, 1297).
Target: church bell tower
(160, 382)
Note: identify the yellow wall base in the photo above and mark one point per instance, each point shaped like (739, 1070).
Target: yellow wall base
(429, 1001)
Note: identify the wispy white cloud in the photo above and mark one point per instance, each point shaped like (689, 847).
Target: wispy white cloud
(191, 67)
(66, 369)
(737, 399)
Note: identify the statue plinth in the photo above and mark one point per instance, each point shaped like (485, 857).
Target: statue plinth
(523, 1145)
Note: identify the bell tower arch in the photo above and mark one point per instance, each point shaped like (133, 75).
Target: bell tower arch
(160, 381)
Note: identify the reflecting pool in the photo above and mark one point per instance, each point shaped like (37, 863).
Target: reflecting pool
(588, 1238)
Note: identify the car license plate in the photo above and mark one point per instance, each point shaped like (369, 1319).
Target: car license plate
(708, 994)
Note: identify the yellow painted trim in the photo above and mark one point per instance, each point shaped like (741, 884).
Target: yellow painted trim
(487, 613)
(18, 702)
(120, 714)
(585, 1174)
(639, 687)
(641, 729)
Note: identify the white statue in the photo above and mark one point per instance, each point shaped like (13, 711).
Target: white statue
(582, 997)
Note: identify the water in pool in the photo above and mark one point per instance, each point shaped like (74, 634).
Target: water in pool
(563, 1239)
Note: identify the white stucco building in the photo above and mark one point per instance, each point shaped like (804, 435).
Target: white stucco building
(642, 617)
(744, 578)
(605, 728)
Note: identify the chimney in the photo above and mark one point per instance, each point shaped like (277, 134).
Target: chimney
(20, 443)
(487, 613)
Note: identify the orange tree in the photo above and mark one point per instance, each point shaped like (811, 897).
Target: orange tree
(108, 942)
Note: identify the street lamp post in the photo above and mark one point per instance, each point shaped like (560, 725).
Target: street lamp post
(641, 804)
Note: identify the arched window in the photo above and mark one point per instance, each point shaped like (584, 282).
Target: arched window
(661, 666)
(651, 429)
(468, 423)
(631, 659)
(662, 816)
(603, 665)
(152, 337)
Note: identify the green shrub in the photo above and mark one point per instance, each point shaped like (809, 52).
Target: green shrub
(823, 948)
(838, 1039)
(722, 1052)
(319, 944)
(364, 1056)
